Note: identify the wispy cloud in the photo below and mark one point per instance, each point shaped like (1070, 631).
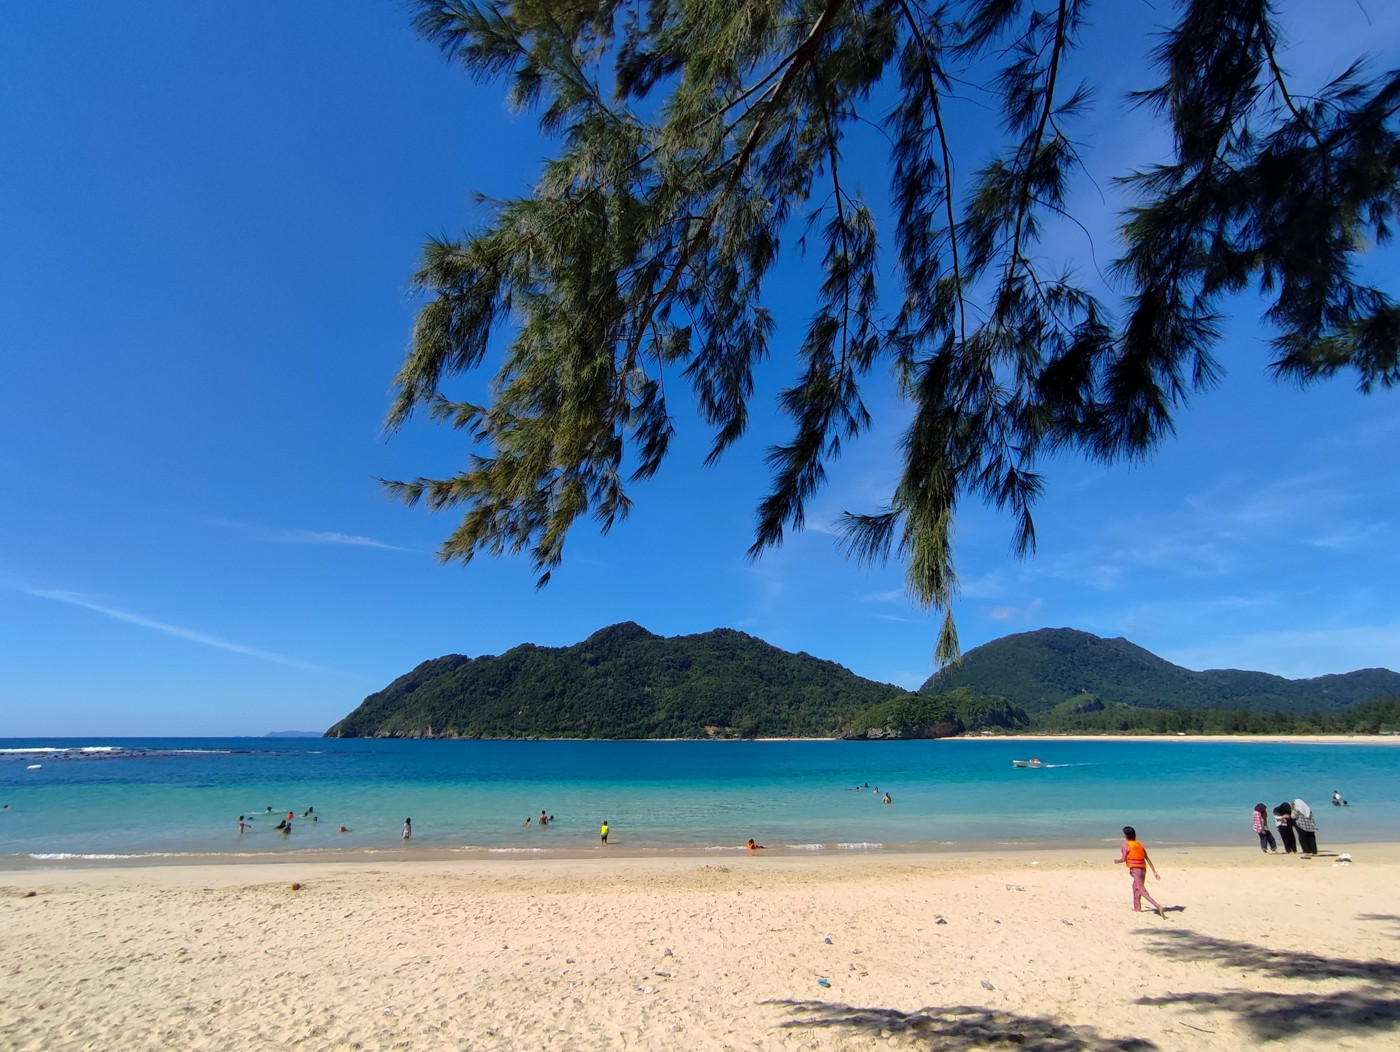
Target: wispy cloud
(904, 677)
(891, 595)
(909, 620)
(1019, 614)
(178, 631)
(326, 537)
(273, 535)
(989, 585)
(1295, 653)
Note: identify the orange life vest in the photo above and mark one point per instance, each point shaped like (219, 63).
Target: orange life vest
(1135, 854)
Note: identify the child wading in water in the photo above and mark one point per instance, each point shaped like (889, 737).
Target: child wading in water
(1134, 856)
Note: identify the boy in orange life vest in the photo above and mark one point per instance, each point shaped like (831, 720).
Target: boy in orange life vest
(1134, 856)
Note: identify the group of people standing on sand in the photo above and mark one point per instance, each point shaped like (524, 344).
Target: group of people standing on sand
(1297, 827)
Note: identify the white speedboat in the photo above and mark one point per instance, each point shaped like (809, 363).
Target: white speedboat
(1029, 763)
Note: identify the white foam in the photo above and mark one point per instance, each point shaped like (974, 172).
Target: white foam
(804, 847)
(61, 856)
(860, 847)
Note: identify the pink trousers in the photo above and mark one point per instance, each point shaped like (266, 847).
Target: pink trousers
(1140, 889)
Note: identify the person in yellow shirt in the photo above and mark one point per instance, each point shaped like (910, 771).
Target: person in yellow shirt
(604, 831)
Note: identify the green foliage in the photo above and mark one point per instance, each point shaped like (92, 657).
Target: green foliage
(1370, 717)
(1046, 670)
(692, 138)
(1365, 718)
(937, 716)
(621, 682)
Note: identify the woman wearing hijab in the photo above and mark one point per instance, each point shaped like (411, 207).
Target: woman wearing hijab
(1307, 828)
(1283, 818)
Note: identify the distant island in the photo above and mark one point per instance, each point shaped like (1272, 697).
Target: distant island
(626, 682)
(294, 734)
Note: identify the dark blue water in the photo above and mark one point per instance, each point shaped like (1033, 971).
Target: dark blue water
(182, 797)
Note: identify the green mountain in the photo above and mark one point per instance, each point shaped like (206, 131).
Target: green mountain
(1039, 671)
(621, 682)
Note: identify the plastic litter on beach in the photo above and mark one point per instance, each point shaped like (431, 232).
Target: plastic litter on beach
(1015, 887)
(987, 986)
(828, 940)
(823, 982)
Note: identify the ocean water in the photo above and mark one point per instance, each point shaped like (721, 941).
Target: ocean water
(78, 801)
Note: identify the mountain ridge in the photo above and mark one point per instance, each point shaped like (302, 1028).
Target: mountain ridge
(624, 681)
(1046, 667)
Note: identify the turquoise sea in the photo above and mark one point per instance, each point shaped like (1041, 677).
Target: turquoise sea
(72, 802)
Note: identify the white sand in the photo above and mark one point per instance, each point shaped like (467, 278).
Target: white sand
(685, 953)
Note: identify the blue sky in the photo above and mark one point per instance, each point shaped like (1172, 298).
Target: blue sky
(208, 215)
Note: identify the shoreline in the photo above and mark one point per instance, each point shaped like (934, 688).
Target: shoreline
(1244, 739)
(1048, 858)
(940, 950)
(927, 853)
(1228, 739)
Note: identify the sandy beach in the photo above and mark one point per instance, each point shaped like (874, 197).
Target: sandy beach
(1391, 740)
(1017, 949)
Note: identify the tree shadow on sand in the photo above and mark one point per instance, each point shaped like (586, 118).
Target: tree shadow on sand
(1373, 1005)
(1384, 918)
(957, 1027)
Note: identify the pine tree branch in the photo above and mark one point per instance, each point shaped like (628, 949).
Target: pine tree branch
(1038, 138)
(1279, 81)
(799, 60)
(931, 86)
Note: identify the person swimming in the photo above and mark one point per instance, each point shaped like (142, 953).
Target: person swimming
(753, 846)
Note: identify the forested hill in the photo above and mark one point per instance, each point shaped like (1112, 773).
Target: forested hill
(621, 682)
(1039, 670)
